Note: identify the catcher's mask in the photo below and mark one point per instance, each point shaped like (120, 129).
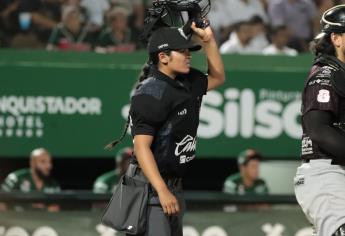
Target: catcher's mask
(332, 21)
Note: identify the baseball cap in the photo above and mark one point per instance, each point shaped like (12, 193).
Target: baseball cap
(249, 154)
(333, 20)
(170, 38)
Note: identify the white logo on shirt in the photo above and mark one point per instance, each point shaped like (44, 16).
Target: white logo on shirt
(323, 96)
(183, 112)
(188, 144)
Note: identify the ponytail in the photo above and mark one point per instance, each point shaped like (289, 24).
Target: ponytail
(117, 141)
(323, 46)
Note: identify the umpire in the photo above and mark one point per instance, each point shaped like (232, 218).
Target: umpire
(320, 180)
(164, 117)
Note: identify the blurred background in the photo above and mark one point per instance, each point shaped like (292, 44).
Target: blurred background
(67, 69)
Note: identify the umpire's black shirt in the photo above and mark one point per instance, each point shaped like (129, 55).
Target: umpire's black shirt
(168, 109)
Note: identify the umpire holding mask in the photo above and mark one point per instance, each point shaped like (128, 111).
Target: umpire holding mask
(164, 117)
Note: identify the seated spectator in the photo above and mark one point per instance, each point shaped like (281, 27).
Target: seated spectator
(227, 13)
(96, 11)
(247, 181)
(22, 22)
(300, 16)
(279, 37)
(70, 34)
(37, 178)
(117, 37)
(136, 22)
(108, 181)
(259, 39)
(239, 40)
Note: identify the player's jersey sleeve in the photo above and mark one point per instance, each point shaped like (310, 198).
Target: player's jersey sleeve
(319, 93)
(148, 110)
(11, 183)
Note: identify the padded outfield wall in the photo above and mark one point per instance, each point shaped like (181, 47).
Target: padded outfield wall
(75, 103)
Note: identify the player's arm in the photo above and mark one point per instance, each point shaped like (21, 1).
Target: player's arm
(144, 155)
(216, 74)
(319, 126)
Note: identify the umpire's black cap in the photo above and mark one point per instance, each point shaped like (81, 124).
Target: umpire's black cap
(333, 21)
(170, 38)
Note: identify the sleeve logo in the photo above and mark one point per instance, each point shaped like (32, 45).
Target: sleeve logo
(323, 96)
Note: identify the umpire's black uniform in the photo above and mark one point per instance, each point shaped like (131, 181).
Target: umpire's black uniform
(168, 109)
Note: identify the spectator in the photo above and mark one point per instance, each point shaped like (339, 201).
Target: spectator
(259, 39)
(279, 37)
(70, 34)
(106, 182)
(136, 21)
(240, 40)
(226, 13)
(247, 181)
(36, 178)
(117, 36)
(300, 16)
(21, 19)
(96, 10)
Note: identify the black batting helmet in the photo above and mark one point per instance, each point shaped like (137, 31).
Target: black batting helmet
(333, 21)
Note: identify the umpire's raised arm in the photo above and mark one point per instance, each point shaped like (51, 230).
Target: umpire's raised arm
(205, 38)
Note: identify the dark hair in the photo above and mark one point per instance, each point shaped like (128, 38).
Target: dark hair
(237, 26)
(256, 20)
(323, 45)
(144, 74)
(274, 30)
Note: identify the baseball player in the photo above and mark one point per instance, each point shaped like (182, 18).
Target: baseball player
(320, 180)
(247, 181)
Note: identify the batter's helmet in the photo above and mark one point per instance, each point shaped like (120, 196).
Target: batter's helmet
(333, 21)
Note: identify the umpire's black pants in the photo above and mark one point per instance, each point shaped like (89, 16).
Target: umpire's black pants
(160, 224)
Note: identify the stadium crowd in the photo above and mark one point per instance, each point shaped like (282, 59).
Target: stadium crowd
(242, 26)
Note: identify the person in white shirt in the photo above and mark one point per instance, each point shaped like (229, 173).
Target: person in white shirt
(239, 40)
(96, 10)
(280, 36)
(225, 13)
(248, 37)
(259, 40)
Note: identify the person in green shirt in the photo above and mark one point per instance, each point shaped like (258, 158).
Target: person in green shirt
(247, 181)
(70, 33)
(107, 182)
(37, 178)
(117, 36)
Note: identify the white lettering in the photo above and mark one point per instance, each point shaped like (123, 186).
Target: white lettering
(245, 117)
(231, 109)
(188, 144)
(270, 126)
(247, 113)
(211, 124)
